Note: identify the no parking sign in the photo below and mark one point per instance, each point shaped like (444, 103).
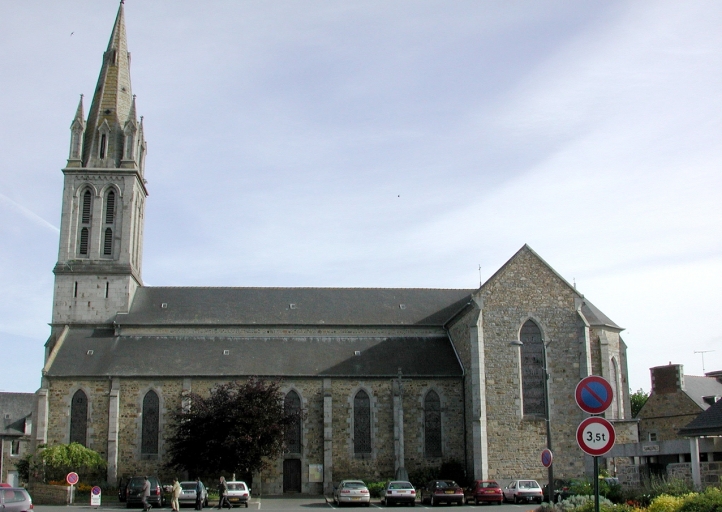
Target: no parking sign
(95, 493)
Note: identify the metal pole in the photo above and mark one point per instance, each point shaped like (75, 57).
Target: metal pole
(550, 470)
(596, 484)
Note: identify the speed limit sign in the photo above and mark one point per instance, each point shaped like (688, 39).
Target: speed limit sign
(595, 436)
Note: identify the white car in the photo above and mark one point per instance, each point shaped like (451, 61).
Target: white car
(523, 490)
(399, 491)
(238, 493)
(352, 491)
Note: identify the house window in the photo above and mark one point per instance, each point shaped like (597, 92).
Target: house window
(652, 436)
(432, 425)
(532, 370)
(15, 448)
(362, 423)
(292, 437)
(79, 418)
(151, 416)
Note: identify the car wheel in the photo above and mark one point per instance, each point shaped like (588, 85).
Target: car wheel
(413, 503)
(476, 501)
(431, 501)
(516, 499)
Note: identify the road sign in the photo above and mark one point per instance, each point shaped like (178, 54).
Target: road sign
(595, 436)
(594, 394)
(546, 457)
(72, 478)
(95, 493)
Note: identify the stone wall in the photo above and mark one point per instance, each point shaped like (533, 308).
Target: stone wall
(43, 494)
(526, 288)
(664, 414)
(710, 472)
(378, 465)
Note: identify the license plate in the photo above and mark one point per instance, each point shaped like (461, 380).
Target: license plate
(355, 497)
(449, 491)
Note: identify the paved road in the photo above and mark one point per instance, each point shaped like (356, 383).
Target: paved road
(300, 504)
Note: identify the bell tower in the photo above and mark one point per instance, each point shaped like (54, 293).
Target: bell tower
(104, 193)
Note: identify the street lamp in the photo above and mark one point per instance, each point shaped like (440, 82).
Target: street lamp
(547, 410)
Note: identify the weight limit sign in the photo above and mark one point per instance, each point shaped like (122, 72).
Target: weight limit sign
(595, 436)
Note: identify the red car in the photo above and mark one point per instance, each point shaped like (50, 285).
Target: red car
(442, 491)
(483, 491)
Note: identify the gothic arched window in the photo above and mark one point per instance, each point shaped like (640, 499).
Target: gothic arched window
(292, 437)
(151, 416)
(79, 418)
(362, 423)
(432, 424)
(532, 369)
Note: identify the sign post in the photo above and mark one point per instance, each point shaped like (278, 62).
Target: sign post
(72, 479)
(95, 493)
(595, 435)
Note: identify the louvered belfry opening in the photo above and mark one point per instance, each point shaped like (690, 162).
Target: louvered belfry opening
(85, 222)
(110, 208)
(108, 242)
(362, 423)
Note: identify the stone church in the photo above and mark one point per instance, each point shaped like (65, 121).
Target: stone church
(390, 380)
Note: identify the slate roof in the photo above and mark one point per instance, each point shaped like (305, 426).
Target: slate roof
(707, 423)
(14, 408)
(198, 356)
(698, 387)
(294, 306)
(595, 317)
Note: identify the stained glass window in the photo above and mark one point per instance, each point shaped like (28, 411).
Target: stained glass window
(432, 424)
(292, 405)
(151, 416)
(362, 423)
(79, 418)
(532, 369)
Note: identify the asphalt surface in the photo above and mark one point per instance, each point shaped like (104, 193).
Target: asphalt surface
(279, 503)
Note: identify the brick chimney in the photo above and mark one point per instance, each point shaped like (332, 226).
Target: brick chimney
(667, 379)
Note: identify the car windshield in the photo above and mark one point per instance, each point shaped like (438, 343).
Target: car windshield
(528, 484)
(354, 485)
(188, 486)
(136, 483)
(488, 485)
(233, 486)
(400, 485)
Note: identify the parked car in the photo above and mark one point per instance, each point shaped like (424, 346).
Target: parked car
(15, 499)
(399, 491)
(442, 491)
(122, 490)
(188, 494)
(238, 493)
(351, 491)
(484, 491)
(562, 490)
(134, 492)
(523, 490)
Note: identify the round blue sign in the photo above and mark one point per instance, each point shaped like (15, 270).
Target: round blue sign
(594, 394)
(546, 457)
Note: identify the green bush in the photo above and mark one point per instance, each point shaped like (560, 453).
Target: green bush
(665, 503)
(708, 501)
(376, 488)
(421, 477)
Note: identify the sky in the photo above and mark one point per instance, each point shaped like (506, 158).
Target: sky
(388, 144)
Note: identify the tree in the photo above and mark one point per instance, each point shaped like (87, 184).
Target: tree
(638, 399)
(234, 430)
(55, 462)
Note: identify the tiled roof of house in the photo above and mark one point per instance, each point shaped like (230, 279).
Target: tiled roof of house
(14, 408)
(707, 423)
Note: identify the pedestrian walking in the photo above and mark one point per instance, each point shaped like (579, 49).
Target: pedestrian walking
(174, 495)
(146, 494)
(223, 494)
(199, 494)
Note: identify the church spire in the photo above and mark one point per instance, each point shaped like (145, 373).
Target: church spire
(112, 103)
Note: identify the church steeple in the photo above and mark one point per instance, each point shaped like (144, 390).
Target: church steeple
(101, 229)
(105, 143)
